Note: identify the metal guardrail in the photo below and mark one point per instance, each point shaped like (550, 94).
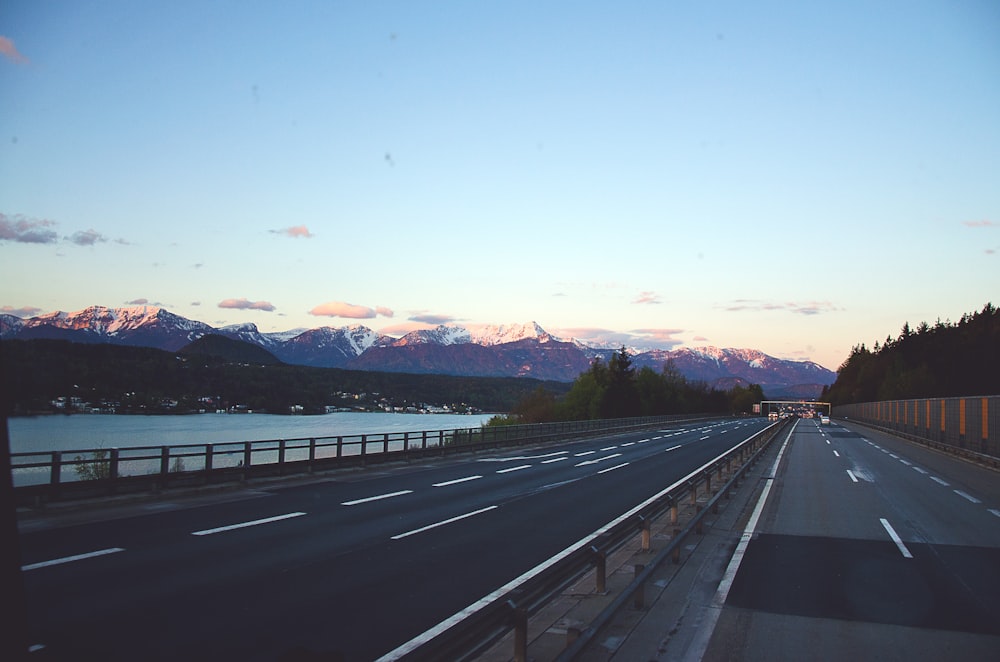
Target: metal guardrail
(478, 627)
(50, 476)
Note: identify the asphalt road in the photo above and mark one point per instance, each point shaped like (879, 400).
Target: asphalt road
(352, 566)
(868, 547)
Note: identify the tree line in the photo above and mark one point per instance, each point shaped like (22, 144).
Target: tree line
(616, 389)
(146, 380)
(930, 361)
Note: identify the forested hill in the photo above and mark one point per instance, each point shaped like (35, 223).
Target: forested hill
(930, 361)
(144, 380)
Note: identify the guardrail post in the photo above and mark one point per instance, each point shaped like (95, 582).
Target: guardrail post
(340, 447)
(600, 569)
(640, 592)
(708, 481)
(247, 459)
(673, 511)
(364, 448)
(423, 440)
(164, 466)
(312, 453)
(520, 618)
(693, 486)
(698, 528)
(281, 457)
(113, 470)
(644, 525)
(385, 443)
(55, 474)
(209, 460)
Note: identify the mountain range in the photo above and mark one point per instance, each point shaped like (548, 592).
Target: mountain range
(515, 350)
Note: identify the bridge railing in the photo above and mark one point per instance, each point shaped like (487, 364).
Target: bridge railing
(475, 629)
(968, 426)
(47, 476)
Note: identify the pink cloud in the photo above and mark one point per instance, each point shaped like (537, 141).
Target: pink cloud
(803, 308)
(981, 224)
(349, 310)
(295, 231)
(9, 50)
(243, 304)
(25, 230)
(87, 237)
(23, 311)
(647, 297)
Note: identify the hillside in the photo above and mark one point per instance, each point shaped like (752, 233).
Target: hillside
(929, 361)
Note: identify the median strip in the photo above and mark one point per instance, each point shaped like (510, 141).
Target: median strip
(70, 559)
(443, 522)
(243, 525)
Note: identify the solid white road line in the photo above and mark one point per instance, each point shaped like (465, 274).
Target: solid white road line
(895, 538)
(243, 525)
(967, 497)
(443, 522)
(851, 474)
(456, 481)
(700, 643)
(70, 559)
(377, 498)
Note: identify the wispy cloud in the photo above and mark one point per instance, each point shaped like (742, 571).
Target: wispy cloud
(243, 304)
(24, 230)
(349, 310)
(138, 302)
(431, 318)
(981, 224)
(647, 297)
(295, 231)
(87, 237)
(9, 51)
(804, 308)
(23, 311)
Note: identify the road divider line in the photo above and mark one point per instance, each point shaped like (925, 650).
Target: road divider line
(940, 482)
(456, 481)
(895, 538)
(672, 448)
(450, 520)
(518, 468)
(617, 466)
(243, 525)
(377, 497)
(967, 497)
(994, 511)
(851, 474)
(71, 559)
(584, 453)
(909, 464)
(919, 470)
(595, 461)
(836, 453)
(609, 448)
(555, 459)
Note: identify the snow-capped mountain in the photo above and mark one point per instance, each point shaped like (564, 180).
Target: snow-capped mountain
(509, 350)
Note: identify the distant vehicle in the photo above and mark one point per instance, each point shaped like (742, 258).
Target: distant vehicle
(825, 420)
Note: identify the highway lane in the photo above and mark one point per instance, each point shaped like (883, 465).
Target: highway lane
(868, 547)
(356, 566)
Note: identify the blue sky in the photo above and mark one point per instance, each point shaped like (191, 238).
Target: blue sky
(779, 176)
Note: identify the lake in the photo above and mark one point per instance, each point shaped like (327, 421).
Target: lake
(91, 431)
